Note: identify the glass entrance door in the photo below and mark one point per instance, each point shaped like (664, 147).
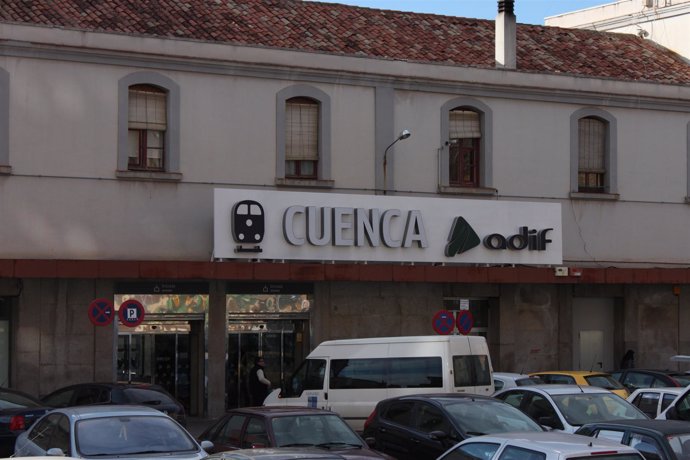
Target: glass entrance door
(278, 341)
(158, 354)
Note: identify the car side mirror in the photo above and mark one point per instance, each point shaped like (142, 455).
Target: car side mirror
(371, 442)
(206, 445)
(438, 435)
(55, 452)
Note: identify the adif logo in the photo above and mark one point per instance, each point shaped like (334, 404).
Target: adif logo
(463, 238)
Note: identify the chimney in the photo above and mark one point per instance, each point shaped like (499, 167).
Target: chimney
(506, 53)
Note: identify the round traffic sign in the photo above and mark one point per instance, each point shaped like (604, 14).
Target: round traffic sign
(131, 313)
(443, 322)
(465, 321)
(101, 312)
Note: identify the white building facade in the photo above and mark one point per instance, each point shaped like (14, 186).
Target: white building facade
(663, 21)
(125, 157)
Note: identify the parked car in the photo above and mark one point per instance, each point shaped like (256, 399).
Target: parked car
(655, 439)
(117, 393)
(539, 446)
(18, 411)
(650, 378)
(568, 407)
(653, 401)
(679, 408)
(597, 379)
(126, 432)
(281, 426)
(504, 380)
(418, 427)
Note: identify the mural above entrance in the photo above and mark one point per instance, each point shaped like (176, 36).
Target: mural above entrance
(279, 225)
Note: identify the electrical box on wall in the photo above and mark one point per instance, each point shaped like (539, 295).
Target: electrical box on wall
(561, 271)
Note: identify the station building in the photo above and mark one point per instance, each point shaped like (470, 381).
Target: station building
(186, 185)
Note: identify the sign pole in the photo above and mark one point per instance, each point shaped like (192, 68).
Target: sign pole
(115, 342)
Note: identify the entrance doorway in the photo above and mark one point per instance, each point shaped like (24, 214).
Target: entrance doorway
(280, 342)
(165, 353)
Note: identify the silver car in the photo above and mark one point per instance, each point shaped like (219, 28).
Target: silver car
(568, 407)
(131, 432)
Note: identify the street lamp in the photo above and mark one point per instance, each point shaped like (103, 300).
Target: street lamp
(404, 134)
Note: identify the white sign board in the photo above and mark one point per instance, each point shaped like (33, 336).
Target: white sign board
(263, 224)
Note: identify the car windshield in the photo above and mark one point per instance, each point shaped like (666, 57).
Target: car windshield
(129, 435)
(309, 429)
(680, 443)
(604, 381)
(15, 401)
(486, 417)
(581, 408)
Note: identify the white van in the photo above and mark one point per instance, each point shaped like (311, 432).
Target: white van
(350, 376)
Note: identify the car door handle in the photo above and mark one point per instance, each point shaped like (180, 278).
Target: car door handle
(382, 430)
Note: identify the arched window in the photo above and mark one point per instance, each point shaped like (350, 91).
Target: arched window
(593, 152)
(465, 156)
(303, 136)
(148, 127)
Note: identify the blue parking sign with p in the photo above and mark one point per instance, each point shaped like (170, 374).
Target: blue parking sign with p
(131, 313)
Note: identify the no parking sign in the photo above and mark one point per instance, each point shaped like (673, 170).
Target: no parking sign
(101, 312)
(131, 313)
(443, 322)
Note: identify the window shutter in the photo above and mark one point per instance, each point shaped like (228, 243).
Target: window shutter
(147, 109)
(302, 130)
(464, 124)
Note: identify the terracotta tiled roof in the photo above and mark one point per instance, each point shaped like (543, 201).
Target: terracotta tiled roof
(347, 30)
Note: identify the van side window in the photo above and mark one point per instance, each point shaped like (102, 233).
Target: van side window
(471, 370)
(422, 372)
(357, 373)
(309, 376)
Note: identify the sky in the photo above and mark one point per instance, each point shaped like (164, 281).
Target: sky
(526, 11)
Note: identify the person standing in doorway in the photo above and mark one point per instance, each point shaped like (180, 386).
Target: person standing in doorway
(628, 361)
(259, 385)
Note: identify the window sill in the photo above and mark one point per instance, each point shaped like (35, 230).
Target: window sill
(594, 196)
(5, 170)
(314, 183)
(475, 191)
(158, 176)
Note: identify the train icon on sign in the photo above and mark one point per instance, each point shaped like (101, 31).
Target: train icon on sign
(248, 225)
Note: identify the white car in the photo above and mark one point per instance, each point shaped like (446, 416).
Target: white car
(539, 446)
(94, 432)
(653, 401)
(505, 380)
(568, 407)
